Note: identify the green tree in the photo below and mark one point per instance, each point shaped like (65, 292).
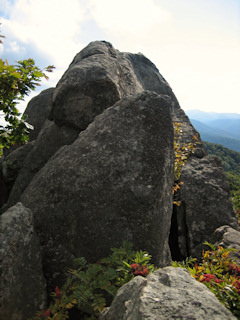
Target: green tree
(17, 81)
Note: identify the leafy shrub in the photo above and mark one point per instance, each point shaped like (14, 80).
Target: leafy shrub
(17, 81)
(91, 287)
(220, 273)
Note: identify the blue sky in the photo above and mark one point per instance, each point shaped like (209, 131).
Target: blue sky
(195, 44)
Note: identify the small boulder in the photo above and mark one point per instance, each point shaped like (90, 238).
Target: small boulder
(228, 237)
(168, 293)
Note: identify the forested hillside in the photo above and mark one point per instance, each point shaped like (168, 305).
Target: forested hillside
(216, 135)
(231, 163)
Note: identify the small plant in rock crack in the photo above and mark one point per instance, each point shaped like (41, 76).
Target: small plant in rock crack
(220, 273)
(182, 152)
(91, 287)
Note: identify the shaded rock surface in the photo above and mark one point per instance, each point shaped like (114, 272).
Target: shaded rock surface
(113, 183)
(168, 293)
(206, 202)
(10, 165)
(37, 111)
(50, 139)
(228, 238)
(22, 285)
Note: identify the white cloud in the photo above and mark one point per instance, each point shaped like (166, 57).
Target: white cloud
(52, 25)
(198, 61)
(206, 92)
(192, 51)
(127, 16)
(131, 24)
(5, 6)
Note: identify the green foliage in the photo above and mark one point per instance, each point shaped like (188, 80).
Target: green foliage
(230, 159)
(220, 273)
(182, 152)
(91, 287)
(234, 182)
(17, 81)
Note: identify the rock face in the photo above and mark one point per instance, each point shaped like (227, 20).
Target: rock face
(22, 285)
(113, 183)
(168, 293)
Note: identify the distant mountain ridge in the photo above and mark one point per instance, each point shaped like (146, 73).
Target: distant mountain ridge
(221, 128)
(204, 116)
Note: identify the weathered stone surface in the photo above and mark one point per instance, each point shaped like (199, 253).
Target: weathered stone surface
(4, 193)
(10, 165)
(113, 183)
(50, 139)
(22, 285)
(168, 293)
(228, 238)
(37, 111)
(206, 203)
(98, 77)
(13, 160)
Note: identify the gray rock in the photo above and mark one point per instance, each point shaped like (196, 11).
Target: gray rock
(113, 183)
(168, 293)
(37, 111)
(98, 77)
(10, 165)
(14, 158)
(4, 192)
(206, 203)
(228, 238)
(22, 285)
(50, 139)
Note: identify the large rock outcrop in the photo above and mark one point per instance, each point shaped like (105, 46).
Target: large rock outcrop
(97, 77)
(113, 183)
(22, 284)
(99, 167)
(168, 293)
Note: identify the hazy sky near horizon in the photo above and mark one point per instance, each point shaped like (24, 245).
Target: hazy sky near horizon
(195, 44)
